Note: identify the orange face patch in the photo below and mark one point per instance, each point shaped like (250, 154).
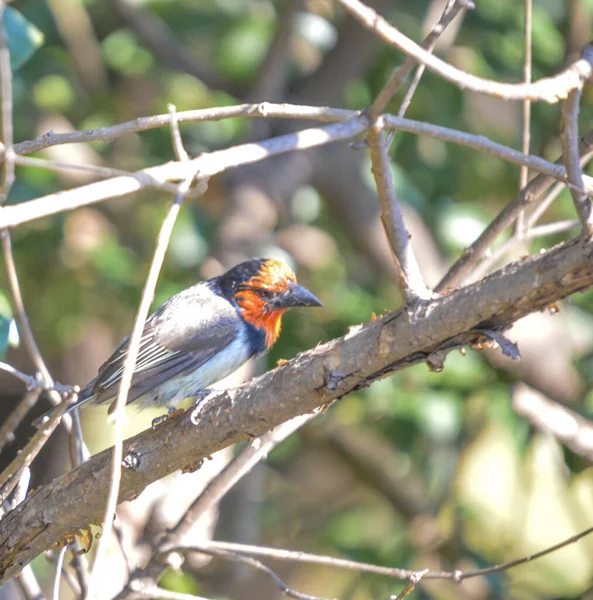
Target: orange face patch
(273, 277)
(255, 311)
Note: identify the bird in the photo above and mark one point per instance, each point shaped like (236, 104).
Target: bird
(201, 335)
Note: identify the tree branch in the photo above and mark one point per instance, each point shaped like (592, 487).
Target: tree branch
(549, 89)
(408, 274)
(451, 10)
(313, 379)
(213, 163)
(569, 136)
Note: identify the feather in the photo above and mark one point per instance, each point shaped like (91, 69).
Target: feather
(182, 335)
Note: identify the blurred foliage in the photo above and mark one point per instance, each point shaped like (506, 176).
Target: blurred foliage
(491, 488)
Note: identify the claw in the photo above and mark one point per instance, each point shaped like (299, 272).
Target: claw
(171, 412)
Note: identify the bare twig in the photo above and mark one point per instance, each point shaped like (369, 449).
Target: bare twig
(232, 474)
(412, 583)
(219, 161)
(21, 489)
(29, 585)
(20, 315)
(532, 233)
(176, 139)
(507, 216)
(9, 478)
(451, 10)
(15, 418)
(542, 206)
(569, 136)
(551, 89)
(119, 414)
(526, 134)
(7, 128)
(207, 164)
(259, 110)
(406, 266)
(314, 559)
(246, 560)
(102, 172)
(570, 428)
(28, 380)
(153, 591)
(457, 576)
(220, 485)
(66, 574)
(58, 575)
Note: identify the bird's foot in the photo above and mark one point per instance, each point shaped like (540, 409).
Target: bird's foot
(171, 412)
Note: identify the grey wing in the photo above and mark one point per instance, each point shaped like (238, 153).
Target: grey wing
(183, 334)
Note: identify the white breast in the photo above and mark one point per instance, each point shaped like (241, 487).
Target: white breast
(174, 391)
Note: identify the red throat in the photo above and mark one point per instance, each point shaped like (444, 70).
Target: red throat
(255, 312)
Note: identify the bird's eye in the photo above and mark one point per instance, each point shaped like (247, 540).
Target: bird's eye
(265, 293)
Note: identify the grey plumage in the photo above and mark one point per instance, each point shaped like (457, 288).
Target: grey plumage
(180, 336)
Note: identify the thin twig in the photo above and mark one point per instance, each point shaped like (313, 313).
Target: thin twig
(118, 531)
(207, 164)
(414, 580)
(451, 10)
(541, 206)
(15, 418)
(32, 383)
(102, 172)
(407, 270)
(24, 327)
(153, 591)
(176, 139)
(259, 110)
(507, 216)
(570, 428)
(569, 136)
(119, 414)
(232, 473)
(531, 233)
(246, 560)
(7, 127)
(550, 89)
(213, 163)
(66, 574)
(314, 559)
(21, 489)
(9, 478)
(330, 561)
(526, 134)
(216, 489)
(27, 581)
(58, 575)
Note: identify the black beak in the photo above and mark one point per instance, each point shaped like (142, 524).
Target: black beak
(297, 295)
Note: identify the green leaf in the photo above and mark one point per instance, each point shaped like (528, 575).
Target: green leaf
(23, 38)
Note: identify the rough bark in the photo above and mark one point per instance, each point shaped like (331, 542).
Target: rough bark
(313, 379)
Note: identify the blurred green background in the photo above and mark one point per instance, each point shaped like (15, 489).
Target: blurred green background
(421, 470)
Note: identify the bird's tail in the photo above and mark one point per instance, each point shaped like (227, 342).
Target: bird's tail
(83, 397)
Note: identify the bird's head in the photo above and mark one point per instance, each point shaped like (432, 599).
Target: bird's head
(263, 290)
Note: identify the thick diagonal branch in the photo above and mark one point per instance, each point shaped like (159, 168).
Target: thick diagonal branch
(312, 379)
